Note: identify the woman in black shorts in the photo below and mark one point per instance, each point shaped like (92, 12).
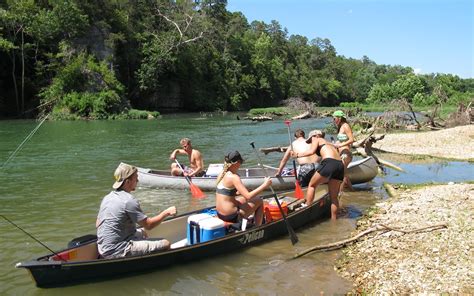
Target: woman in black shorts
(330, 170)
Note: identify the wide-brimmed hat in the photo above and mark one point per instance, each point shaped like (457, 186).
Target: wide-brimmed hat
(233, 157)
(312, 134)
(339, 113)
(122, 173)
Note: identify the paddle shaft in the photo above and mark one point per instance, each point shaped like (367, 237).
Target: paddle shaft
(186, 177)
(291, 147)
(291, 232)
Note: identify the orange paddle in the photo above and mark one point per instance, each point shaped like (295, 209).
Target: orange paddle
(195, 190)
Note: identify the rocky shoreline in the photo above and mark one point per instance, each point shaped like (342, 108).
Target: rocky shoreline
(439, 261)
(428, 262)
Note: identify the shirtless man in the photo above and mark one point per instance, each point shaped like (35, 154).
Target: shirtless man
(196, 164)
(307, 165)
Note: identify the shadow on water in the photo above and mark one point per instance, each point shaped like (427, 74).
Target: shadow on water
(54, 185)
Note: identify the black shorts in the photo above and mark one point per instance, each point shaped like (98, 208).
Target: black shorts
(305, 172)
(331, 168)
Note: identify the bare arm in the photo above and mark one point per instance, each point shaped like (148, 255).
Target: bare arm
(310, 151)
(243, 190)
(176, 151)
(283, 161)
(150, 223)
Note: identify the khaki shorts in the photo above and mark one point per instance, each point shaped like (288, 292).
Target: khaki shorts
(143, 247)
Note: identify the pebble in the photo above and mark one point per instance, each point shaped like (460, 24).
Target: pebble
(440, 261)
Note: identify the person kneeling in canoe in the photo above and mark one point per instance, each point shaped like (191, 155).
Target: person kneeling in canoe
(330, 170)
(120, 212)
(229, 206)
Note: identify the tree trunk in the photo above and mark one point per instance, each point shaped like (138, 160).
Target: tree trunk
(22, 71)
(15, 87)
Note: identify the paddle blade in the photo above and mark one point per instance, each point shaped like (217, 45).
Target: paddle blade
(292, 234)
(299, 194)
(196, 191)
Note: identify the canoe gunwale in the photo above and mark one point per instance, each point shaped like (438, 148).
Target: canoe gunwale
(360, 171)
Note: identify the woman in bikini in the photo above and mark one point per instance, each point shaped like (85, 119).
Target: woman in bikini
(330, 170)
(343, 144)
(230, 206)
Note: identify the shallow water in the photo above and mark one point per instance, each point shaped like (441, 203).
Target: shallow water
(54, 186)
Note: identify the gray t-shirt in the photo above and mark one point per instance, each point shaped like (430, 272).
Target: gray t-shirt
(119, 212)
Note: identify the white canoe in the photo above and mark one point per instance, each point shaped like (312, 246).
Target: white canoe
(360, 171)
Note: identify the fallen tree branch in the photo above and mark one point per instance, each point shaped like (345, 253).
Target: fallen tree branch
(306, 114)
(390, 190)
(378, 227)
(364, 148)
(273, 149)
(258, 118)
(390, 165)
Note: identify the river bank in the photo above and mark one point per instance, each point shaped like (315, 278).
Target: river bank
(450, 143)
(438, 262)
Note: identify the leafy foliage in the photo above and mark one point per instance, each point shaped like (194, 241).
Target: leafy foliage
(268, 111)
(85, 88)
(97, 59)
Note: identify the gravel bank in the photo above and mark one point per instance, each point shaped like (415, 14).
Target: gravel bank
(454, 143)
(441, 261)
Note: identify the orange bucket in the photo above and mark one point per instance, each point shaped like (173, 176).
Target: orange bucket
(272, 212)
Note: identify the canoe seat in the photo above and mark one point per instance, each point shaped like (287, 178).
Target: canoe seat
(179, 244)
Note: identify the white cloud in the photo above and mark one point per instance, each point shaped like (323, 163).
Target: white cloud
(417, 71)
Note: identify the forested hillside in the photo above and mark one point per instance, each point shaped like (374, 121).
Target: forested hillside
(98, 59)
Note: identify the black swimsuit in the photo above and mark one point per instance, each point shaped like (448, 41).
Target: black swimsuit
(318, 150)
(227, 191)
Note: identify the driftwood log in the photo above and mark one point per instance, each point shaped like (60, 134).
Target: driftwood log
(390, 190)
(364, 148)
(273, 149)
(306, 114)
(378, 227)
(257, 118)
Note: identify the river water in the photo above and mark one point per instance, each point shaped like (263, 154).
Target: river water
(54, 185)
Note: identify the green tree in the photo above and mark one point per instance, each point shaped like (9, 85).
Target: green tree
(84, 88)
(407, 86)
(380, 93)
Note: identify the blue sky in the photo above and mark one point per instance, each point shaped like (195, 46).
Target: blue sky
(431, 36)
